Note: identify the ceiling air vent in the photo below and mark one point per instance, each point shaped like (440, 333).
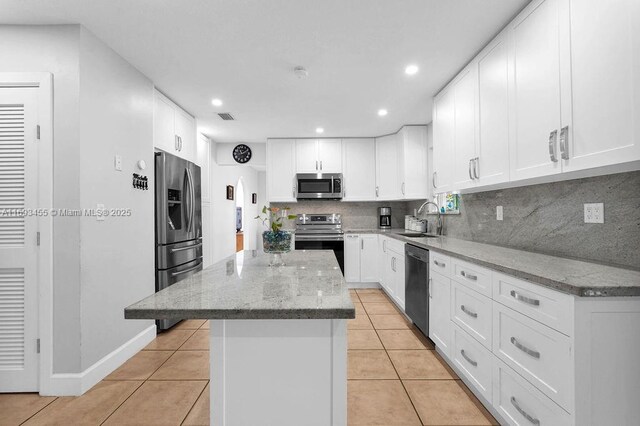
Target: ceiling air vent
(226, 116)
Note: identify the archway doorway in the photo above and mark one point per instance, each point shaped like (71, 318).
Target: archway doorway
(240, 212)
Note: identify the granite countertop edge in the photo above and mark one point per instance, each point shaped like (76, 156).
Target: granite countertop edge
(562, 286)
(239, 314)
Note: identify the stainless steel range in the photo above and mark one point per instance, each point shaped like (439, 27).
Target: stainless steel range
(321, 232)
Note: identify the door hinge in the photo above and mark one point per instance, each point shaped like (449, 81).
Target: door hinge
(38, 132)
(37, 345)
(38, 238)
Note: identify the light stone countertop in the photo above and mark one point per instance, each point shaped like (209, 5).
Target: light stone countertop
(581, 278)
(244, 286)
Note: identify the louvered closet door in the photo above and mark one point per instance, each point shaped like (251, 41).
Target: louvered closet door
(18, 248)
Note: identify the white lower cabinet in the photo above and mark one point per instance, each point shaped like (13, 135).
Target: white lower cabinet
(473, 313)
(352, 258)
(473, 360)
(439, 311)
(361, 258)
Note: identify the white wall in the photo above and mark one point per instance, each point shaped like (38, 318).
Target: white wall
(117, 257)
(55, 49)
(224, 154)
(223, 211)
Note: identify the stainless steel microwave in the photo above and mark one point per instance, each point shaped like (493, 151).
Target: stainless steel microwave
(318, 185)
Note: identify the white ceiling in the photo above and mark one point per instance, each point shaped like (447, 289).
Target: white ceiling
(244, 52)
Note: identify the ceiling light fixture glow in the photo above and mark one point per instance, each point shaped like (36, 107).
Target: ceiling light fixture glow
(216, 102)
(382, 112)
(319, 130)
(411, 69)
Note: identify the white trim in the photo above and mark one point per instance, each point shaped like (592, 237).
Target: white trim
(74, 384)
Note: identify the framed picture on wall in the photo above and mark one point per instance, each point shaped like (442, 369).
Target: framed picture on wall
(229, 192)
(254, 198)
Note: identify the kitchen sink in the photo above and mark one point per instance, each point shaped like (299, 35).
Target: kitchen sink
(416, 235)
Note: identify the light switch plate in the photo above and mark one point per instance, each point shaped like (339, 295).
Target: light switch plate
(117, 162)
(499, 213)
(594, 213)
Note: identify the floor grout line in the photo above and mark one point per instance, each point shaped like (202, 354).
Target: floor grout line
(194, 403)
(33, 415)
(121, 404)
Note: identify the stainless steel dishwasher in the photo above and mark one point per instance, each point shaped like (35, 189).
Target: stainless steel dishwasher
(416, 286)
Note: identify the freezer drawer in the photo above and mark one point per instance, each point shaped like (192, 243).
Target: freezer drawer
(167, 277)
(172, 255)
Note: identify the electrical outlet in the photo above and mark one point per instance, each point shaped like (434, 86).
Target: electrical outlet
(117, 162)
(594, 213)
(499, 213)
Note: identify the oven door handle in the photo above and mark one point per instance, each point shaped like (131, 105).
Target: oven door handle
(319, 238)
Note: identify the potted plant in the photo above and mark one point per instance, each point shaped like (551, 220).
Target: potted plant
(275, 240)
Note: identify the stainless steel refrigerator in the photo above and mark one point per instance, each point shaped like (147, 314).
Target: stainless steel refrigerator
(178, 222)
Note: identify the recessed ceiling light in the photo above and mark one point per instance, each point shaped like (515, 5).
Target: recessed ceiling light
(411, 69)
(216, 102)
(382, 112)
(319, 130)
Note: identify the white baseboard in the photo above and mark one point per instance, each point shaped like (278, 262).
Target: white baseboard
(363, 285)
(74, 384)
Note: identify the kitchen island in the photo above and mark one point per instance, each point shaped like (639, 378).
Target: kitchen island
(278, 347)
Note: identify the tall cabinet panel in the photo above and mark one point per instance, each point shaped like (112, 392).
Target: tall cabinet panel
(387, 173)
(281, 170)
(359, 159)
(605, 78)
(413, 166)
(443, 140)
(464, 151)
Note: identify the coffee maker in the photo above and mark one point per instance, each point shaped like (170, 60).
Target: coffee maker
(384, 217)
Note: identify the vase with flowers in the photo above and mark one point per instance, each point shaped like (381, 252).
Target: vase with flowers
(275, 240)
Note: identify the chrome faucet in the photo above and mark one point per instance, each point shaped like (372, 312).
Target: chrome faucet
(439, 225)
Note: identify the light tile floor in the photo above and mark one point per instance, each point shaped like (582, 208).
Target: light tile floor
(394, 378)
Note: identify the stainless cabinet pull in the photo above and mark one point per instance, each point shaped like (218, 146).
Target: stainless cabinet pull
(525, 349)
(433, 179)
(521, 298)
(564, 147)
(469, 360)
(320, 165)
(442, 265)
(429, 289)
(470, 175)
(526, 415)
(393, 264)
(176, 142)
(402, 188)
(361, 244)
(476, 168)
(316, 165)
(468, 312)
(377, 190)
(553, 137)
(469, 276)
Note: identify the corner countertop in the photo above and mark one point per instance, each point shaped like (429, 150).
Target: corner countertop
(581, 278)
(244, 286)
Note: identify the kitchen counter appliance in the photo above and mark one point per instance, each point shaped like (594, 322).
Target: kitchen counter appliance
(310, 186)
(384, 217)
(178, 222)
(321, 232)
(416, 287)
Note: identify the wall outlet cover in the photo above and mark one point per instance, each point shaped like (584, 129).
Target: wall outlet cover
(594, 213)
(117, 162)
(499, 213)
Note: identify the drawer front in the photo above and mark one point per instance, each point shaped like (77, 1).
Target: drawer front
(472, 312)
(473, 360)
(541, 355)
(396, 246)
(548, 306)
(439, 263)
(520, 403)
(473, 276)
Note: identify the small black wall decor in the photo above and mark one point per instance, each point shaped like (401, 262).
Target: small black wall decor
(254, 198)
(229, 192)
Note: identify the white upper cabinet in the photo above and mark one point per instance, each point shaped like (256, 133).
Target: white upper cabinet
(319, 155)
(443, 140)
(358, 159)
(281, 170)
(414, 182)
(492, 150)
(388, 186)
(536, 90)
(174, 130)
(605, 83)
(203, 159)
(464, 145)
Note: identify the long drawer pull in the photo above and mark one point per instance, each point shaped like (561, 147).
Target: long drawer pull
(524, 299)
(525, 349)
(526, 415)
(441, 264)
(468, 312)
(185, 248)
(469, 360)
(468, 276)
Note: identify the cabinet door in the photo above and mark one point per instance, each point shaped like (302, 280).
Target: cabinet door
(536, 91)
(164, 135)
(359, 171)
(398, 268)
(281, 170)
(206, 235)
(605, 83)
(330, 155)
(439, 309)
(492, 165)
(389, 278)
(382, 260)
(443, 140)
(413, 165)
(368, 258)
(387, 159)
(307, 156)
(464, 148)
(352, 258)
(186, 131)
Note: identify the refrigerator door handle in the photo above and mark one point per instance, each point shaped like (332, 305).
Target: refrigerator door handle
(191, 200)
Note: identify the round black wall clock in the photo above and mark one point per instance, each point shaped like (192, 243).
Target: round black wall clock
(242, 154)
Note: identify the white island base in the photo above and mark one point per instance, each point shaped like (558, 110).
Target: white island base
(278, 372)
